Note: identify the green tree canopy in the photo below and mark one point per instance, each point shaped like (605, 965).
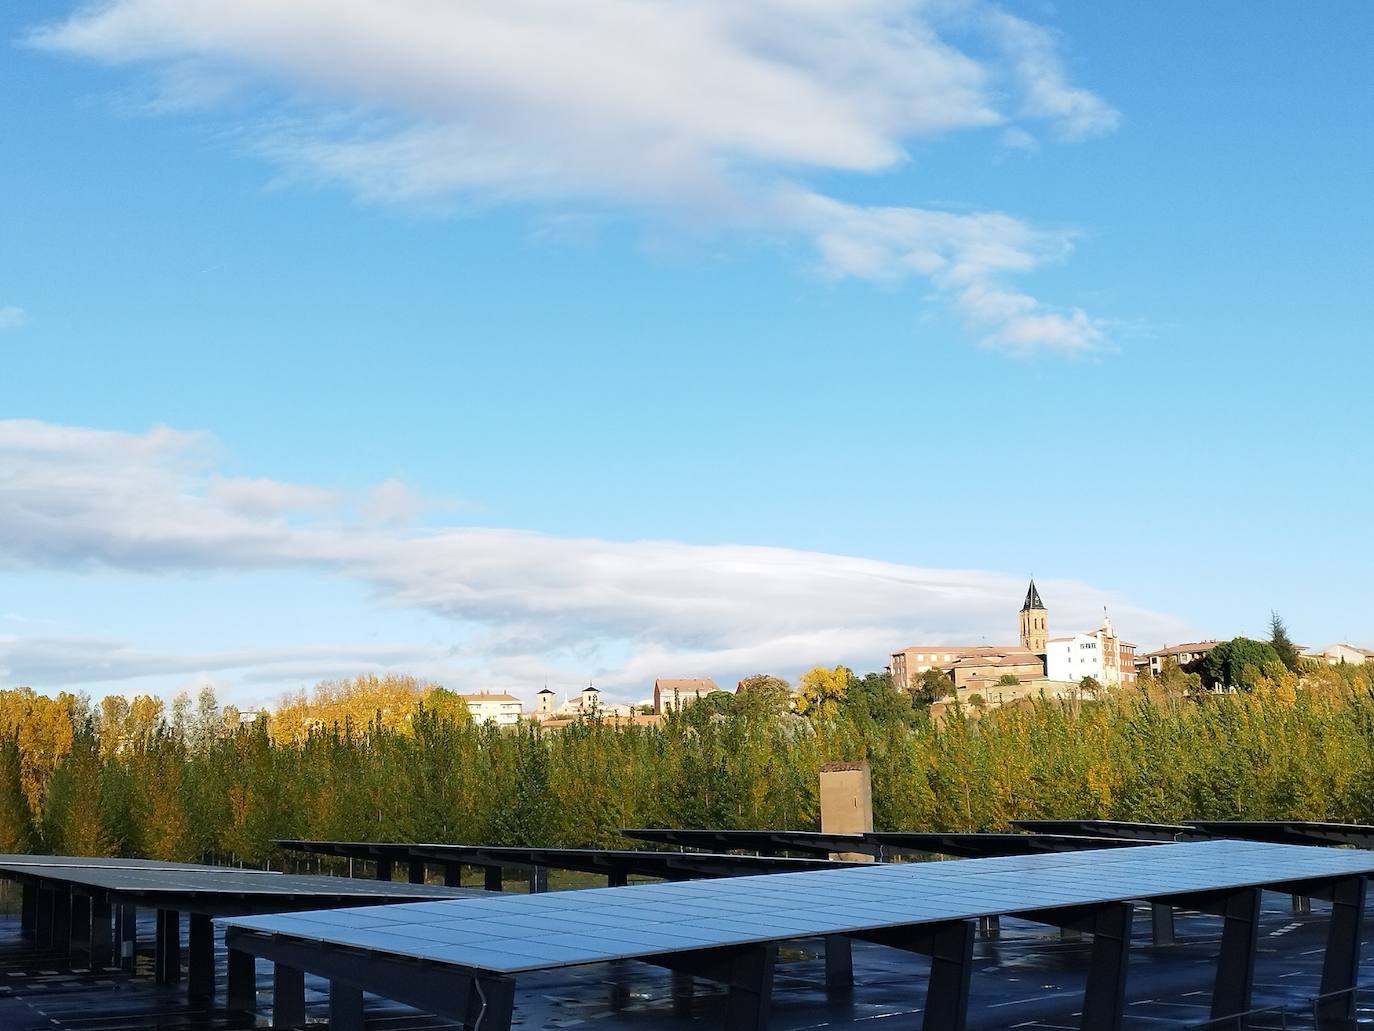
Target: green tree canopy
(1240, 663)
(931, 686)
(871, 699)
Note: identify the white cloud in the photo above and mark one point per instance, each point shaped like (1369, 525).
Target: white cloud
(264, 497)
(525, 606)
(712, 110)
(71, 660)
(1075, 113)
(12, 316)
(966, 257)
(392, 503)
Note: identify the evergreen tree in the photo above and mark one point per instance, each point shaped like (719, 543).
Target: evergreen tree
(1280, 642)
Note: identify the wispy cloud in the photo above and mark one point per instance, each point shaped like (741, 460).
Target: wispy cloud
(12, 316)
(1046, 93)
(71, 661)
(713, 110)
(966, 257)
(521, 604)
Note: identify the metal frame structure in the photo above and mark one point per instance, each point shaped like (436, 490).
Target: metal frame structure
(1288, 832)
(618, 865)
(462, 961)
(87, 908)
(980, 844)
(1134, 829)
(763, 842)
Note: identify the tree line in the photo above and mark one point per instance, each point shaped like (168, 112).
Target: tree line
(199, 782)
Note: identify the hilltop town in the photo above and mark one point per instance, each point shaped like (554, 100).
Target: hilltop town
(1040, 664)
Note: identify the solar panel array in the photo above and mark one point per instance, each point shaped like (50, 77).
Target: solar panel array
(210, 880)
(106, 863)
(514, 933)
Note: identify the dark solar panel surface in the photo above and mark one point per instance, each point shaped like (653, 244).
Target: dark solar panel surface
(814, 842)
(985, 843)
(514, 933)
(209, 880)
(109, 863)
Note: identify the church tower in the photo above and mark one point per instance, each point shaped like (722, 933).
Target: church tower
(1034, 630)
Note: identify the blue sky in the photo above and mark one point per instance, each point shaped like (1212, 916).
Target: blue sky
(474, 341)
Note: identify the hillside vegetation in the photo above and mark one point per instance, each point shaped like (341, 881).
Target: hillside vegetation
(395, 759)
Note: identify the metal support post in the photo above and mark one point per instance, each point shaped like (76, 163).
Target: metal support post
(839, 963)
(167, 954)
(682, 990)
(617, 879)
(539, 879)
(1236, 964)
(990, 926)
(201, 971)
(492, 878)
(43, 917)
(1104, 997)
(1341, 965)
(79, 951)
(288, 996)
(492, 1006)
(453, 875)
(102, 932)
(950, 948)
(241, 991)
(62, 919)
(345, 1007)
(1302, 904)
(750, 993)
(951, 965)
(620, 988)
(1161, 923)
(384, 869)
(126, 935)
(417, 871)
(28, 907)
(745, 970)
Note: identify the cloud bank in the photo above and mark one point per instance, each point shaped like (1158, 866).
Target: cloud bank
(711, 110)
(523, 606)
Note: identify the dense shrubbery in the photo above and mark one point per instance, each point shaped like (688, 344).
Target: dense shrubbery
(196, 785)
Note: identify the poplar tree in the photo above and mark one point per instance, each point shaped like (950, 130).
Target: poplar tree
(17, 833)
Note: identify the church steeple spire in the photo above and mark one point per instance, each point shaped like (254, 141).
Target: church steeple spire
(1034, 621)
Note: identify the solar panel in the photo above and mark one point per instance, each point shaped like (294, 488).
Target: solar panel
(209, 880)
(507, 934)
(108, 863)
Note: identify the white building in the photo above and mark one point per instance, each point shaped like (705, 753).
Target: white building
(1100, 654)
(504, 710)
(1341, 654)
(1073, 658)
(584, 703)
